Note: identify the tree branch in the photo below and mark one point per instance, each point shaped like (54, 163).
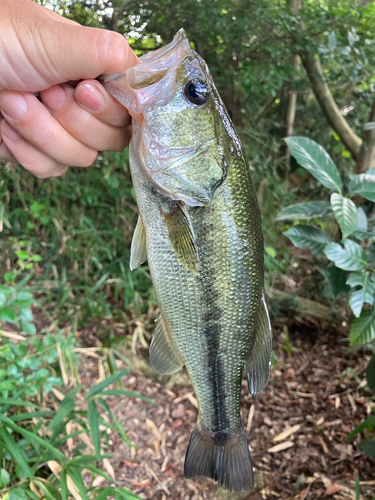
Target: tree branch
(328, 105)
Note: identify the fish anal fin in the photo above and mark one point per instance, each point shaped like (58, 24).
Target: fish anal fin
(224, 457)
(181, 237)
(163, 357)
(138, 251)
(258, 362)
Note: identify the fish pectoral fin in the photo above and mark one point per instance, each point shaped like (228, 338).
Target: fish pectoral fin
(138, 252)
(258, 362)
(163, 357)
(181, 237)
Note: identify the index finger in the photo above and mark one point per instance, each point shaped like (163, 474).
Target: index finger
(92, 96)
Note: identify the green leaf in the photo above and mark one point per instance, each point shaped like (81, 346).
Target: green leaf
(8, 315)
(17, 402)
(99, 472)
(368, 424)
(129, 394)
(370, 374)
(362, 220)
(363, 185)
(43, 487)
(357, 488)
(305, 211)
(67, 405)
(105, 383)
(308, 236)
(94, 424)
(346, 214)
(77, 480)
(316, 160)
(336, 281)
(4, 478)
(16, 494)
(365, 294)
(84, 460)
(350, 258)
(64, 485)
(368, 447)
(14, 450)
(31, 437)
(118, 426)
(29, 415)
(21, 254)
(362, 329)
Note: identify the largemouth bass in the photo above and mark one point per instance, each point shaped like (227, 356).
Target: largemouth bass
(199, 227)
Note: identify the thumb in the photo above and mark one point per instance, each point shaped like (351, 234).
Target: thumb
(42, 49)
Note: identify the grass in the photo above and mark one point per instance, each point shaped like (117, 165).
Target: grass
(81, 224)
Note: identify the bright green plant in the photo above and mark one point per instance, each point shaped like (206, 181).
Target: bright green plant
(80, 225)
(352, 259)
(38, 415)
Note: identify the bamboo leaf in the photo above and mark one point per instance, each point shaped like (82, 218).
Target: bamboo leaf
(31, 437)
(15, 451)
(93, 416)
(117, 424)
(129, 394)
(77, 480)
(64, 485)
(66, 407)
(105, 383)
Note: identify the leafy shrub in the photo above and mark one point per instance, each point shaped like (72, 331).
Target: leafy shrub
(352, 260)
(81, 224)
(50, 443)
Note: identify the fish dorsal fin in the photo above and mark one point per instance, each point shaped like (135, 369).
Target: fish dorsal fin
(181, 237)
(163, 357)
(258, 362)
(138, 252)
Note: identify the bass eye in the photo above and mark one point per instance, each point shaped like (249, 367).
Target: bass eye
(196, 92)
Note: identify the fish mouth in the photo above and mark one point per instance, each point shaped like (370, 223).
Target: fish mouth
(153, 81)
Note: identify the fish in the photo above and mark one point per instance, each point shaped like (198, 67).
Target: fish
(199, 227)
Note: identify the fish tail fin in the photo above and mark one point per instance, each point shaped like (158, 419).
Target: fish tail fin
(221, 456)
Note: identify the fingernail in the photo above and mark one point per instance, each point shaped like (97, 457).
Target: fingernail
(14, 105)
(9, 131)
(90, 96)
(54, 97)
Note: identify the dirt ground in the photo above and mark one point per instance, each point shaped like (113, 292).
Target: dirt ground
(295, 428)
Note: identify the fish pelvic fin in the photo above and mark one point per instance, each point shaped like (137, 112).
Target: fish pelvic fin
(223, 457)
(182, 237)
(138, 251)
(163, 357)
(258, 362)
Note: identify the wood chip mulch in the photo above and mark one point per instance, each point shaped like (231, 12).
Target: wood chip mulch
(296, 428)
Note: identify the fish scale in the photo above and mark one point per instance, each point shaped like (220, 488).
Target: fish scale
(200, 224)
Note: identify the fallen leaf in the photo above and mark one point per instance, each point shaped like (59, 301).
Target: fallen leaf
(332, 489)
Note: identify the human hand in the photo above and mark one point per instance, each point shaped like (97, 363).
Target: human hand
(39, 51)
